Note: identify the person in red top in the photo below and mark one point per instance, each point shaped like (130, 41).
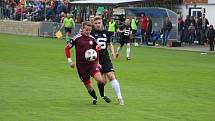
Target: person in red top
(86, 69)
(144, 24)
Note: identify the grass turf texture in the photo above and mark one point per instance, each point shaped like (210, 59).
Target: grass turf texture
(36, 84)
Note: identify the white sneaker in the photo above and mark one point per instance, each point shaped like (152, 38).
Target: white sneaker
(121, 101)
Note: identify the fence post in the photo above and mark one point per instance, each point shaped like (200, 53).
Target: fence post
(45, 12)
(1, 12)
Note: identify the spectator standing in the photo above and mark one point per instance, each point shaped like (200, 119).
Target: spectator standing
(205, 24)
(148, 30)
(210, 37)
(134, 24)
(167, 26)
(191, 30)
(180, 28)
(186, 25)
(198, 30)
(143, 26)
(192, 20)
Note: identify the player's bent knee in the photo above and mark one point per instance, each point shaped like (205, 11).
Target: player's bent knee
(100, 81)
(98, 77)
(96, 74)
(111, 76)
(104, 80)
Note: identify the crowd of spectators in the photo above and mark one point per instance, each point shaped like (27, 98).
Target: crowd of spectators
(193, 30)
(35, 10)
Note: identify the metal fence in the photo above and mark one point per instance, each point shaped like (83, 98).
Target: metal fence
(48, 29)
(157, 15)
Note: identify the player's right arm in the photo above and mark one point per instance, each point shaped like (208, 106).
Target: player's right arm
(62, 25)
(68, 54)
(110, 47)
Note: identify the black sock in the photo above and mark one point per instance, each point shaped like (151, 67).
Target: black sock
(93, 94)
(101, 89)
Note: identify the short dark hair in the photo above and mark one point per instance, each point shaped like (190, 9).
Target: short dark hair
(87, 23)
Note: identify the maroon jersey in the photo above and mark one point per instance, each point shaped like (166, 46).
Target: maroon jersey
(82, 43)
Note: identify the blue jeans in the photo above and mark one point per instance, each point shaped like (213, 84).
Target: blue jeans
(165, 38)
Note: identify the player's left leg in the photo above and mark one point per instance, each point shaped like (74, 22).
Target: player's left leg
(115, 85)
(85, 77)
(90, 90)
(128, 51)
(68, 34)
(101, 83)
(119, 48)
(133, 35)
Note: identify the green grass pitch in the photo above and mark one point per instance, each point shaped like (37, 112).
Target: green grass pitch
(36, 84)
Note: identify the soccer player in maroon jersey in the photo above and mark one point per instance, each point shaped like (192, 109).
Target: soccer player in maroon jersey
(86, 69)
(103, 39)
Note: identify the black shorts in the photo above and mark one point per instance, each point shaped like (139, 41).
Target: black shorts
(134, 31)
(69, 30)
(106, 64)
(110, 34)
(124, 40)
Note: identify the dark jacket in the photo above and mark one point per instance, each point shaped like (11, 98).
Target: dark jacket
(211, 34)
(187, 23)
(149, 26)
(180, 24)
(167, 25)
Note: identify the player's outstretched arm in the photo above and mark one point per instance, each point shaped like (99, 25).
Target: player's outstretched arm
(68, 55)
(62, 25)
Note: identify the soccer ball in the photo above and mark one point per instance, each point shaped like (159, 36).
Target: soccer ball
(136, 44)
(91, 55)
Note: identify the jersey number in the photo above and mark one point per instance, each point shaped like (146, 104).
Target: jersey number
(102, 42)
(127, 32)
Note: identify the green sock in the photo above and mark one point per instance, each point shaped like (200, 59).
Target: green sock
(67, 38)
